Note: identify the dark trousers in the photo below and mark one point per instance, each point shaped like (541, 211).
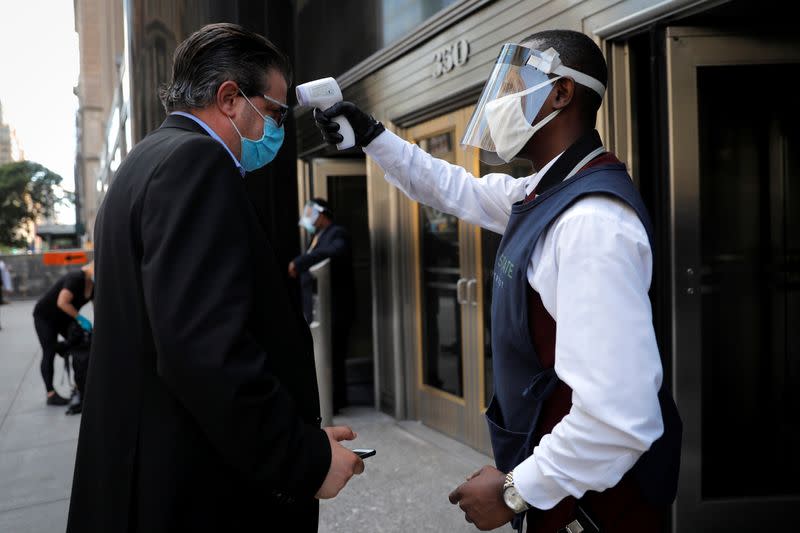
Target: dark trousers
(620, 509)
(48, 338)
(80, 367)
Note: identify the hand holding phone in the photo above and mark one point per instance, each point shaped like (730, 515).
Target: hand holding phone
(364, 452)
(343, 465)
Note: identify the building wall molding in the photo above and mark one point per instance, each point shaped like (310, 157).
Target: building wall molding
(426, 31)
(440, 107)
(634, 15)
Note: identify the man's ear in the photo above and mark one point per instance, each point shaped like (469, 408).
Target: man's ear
(226, 98)
(563, 92)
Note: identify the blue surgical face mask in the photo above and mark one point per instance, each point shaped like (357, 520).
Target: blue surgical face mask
(256, 154)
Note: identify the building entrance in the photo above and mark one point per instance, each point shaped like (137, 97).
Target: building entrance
(454, 262)
(343, 183)
(735, 179)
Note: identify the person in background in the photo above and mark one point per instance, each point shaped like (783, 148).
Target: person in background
(331, 241)
(5, 283)
(201, 411)
(54, 312)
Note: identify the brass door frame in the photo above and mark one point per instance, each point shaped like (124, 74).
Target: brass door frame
(687, 50)
(322, 168)
(313, 176)
(480, 436)
(459, 417)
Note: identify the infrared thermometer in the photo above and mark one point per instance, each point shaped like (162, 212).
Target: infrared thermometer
(323, 93)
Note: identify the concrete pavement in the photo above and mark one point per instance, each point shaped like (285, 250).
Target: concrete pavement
(404, 487)
(37, 443)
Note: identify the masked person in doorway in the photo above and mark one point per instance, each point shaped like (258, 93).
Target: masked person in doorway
(330, 241)
(582, 429)
(54, 312)
(201, 411)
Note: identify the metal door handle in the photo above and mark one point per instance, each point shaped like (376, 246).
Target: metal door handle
(472, 291)
(460, 286)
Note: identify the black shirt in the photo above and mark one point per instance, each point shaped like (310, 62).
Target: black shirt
(47, 306)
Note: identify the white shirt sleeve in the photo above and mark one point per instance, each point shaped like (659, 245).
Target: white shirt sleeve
(599, 254)
(485, 202)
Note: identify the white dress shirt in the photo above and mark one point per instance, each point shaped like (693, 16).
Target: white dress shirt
(592, 269)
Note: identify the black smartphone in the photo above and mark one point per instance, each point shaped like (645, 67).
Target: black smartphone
(364, 452)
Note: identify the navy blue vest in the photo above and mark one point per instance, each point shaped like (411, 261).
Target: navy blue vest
(521, 384)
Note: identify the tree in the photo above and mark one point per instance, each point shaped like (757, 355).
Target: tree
(27, 193)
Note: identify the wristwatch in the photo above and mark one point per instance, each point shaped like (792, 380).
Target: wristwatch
(512, 497)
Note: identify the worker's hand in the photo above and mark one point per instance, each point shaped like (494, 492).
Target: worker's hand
(481, 499)
(292, 270)
(84, 322)
(364, 126)
(344, 463)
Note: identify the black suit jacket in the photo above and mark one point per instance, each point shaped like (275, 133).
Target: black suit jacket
(334, 243)
(201, 410)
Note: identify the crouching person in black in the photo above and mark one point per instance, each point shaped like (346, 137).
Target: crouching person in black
(53, 314)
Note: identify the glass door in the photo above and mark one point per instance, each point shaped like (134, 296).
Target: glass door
(736, 278)
(444, 363)
(455, 262)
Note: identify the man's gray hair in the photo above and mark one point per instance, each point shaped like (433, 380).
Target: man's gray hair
(215, 54)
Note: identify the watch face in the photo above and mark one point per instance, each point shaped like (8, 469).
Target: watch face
(509, 501)
(514, 501)
(512, 498)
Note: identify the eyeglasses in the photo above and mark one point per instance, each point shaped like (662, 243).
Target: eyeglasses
(283, 109)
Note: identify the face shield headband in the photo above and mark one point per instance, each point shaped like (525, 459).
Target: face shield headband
(512, 98)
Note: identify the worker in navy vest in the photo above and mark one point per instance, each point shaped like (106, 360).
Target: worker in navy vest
(584, 435)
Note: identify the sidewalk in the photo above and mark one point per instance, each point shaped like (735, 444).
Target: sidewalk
(37, 443)
(404, 487)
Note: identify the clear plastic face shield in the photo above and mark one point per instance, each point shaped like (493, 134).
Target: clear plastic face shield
(514, 94)
(311, 213)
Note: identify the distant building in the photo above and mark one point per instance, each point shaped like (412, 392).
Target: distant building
(101, 43)
(10, 148)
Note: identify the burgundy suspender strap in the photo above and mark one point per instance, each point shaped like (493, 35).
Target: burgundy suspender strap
(565, 164)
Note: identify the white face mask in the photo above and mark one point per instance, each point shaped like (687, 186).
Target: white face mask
(309, 218)
(509, 128)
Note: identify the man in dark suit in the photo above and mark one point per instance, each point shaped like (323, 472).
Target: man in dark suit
(330, 241)
(201, 409)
